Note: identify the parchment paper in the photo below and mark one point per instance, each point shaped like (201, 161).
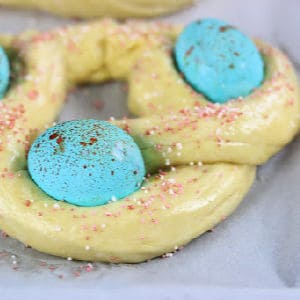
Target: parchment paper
(256, 248)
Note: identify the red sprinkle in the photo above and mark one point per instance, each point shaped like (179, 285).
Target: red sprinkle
(27, 203)
(53, 136)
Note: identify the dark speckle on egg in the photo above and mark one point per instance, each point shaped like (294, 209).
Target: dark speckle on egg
(53, 136)
(225, 28)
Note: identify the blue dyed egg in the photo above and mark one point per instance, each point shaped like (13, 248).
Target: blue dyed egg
(4, 73)
(86, 162)
(218, 60)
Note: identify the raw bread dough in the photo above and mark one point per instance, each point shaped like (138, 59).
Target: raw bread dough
(174, 206)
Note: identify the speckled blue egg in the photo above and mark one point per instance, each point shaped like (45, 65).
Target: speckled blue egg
(218, 60)
(4, 73)
(86, 162)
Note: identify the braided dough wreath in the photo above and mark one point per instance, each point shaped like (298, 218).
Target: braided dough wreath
(175, 126)
(94, 8)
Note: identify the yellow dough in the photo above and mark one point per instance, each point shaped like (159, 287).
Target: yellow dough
(176, 127)
(99, 8)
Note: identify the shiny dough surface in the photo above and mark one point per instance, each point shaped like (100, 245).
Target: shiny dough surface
(173, 206)
(99, 8)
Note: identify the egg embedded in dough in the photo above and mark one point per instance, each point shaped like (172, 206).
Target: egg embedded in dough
(4, 72)
(218, 60)
(86, 162)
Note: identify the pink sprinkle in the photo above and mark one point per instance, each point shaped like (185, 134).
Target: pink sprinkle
(46, 36)
(27, 203)
(71, 45)
(33, 94)
(89, 268)
(52, 268)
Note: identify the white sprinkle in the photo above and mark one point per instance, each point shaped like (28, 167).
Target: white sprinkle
(103, 226)
(179, 146)
(170, 254)
(69, 258)
(58, 228)
(167, 163)
(145, 190)
(191, 163)
(171, 192)
(87, 247)
(56, 206)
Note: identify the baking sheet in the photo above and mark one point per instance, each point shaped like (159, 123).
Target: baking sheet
(256, 248)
